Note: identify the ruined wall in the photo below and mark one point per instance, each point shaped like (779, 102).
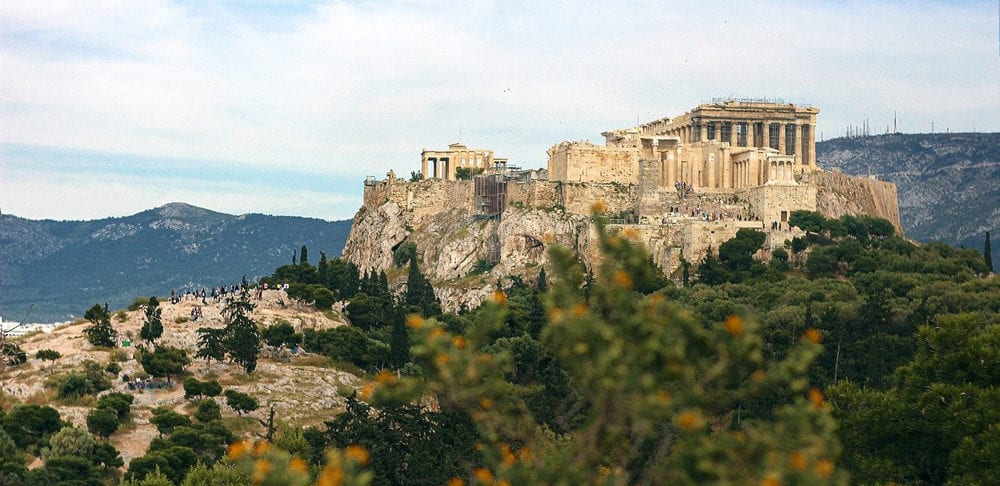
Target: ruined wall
(533, 194)
(579, 198)
(773, 203)
(840, 194)
(586, 162)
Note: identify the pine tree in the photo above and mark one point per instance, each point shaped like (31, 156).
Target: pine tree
(100, 332)
(988, 252)
(210, 344)
(242, 339)
(152, 329)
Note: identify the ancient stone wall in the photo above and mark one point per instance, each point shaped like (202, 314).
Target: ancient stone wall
(840, 194)
(586, 162)
(775, 203)
(533, 194)
(579, 198)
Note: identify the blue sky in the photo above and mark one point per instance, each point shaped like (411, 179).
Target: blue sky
(108, 108)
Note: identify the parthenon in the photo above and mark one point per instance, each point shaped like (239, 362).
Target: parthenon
(718, 146)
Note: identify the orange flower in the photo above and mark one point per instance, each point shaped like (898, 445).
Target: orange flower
(798, 461)
(298, 465)
(414, 321)
(508, 457)
(734, 325)
(770, 481)
(813, 336)
(758, 376)
(500, 297)
(816, 398)
(630, 233)
(260, 470)
(366, 391)
(525, 454)
(435, 333)
(459, 342)
(599, 207)
(456, 482)
(824, 468)
(442, 359)
(483, 475)
(385, 377)
(238, 449)
(690, 420)
(623, 279)
(332, 476)
(357, 453)
(485, 403)
(261, 447)
(578, 310)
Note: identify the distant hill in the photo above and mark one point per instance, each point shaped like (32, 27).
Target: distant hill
(948, 183)
(64, 267)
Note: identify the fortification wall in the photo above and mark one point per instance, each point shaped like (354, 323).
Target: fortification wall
(533, 194)
(579, 198)
(839, 194)
(775, 203)
(586, 162)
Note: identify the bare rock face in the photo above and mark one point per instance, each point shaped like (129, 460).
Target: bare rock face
(373, 236)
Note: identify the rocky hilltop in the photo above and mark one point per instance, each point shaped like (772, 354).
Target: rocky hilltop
(64, 267)
(948, 183)
(467, 242)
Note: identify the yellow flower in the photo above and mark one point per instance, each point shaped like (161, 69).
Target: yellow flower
(824, 468)
(798, 461)
(690, 420)
(485, 403)
(414, 321)
(260, 470)
(483, 475)
(298, 465)
(525, 454)
(458, 341)
(500, 297)
(599, 207)
(366, 391)
(813, 336)
(578, 310)
(357, 453)
(623, 279)
(385, 377)
(734, 325)
(456, 482)
(238, 449)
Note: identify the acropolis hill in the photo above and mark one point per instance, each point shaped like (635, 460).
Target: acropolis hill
(680, 185)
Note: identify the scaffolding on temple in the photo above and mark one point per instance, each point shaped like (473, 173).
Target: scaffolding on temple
(490, 196)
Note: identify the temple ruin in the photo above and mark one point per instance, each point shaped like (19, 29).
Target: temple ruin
(443, 164)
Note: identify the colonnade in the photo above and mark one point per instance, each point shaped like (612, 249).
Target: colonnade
(794, 139)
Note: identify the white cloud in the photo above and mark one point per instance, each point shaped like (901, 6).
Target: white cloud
(356, 88)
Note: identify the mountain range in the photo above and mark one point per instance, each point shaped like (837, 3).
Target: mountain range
(948, 183)
(58, 269)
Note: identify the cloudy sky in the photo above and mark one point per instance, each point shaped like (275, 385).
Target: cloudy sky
(110, 107)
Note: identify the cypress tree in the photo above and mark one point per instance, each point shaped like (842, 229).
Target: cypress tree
(303, 256)
(542, 285)
(988, 252)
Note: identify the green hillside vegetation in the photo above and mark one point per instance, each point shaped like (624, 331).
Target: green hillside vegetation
(850, 356)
